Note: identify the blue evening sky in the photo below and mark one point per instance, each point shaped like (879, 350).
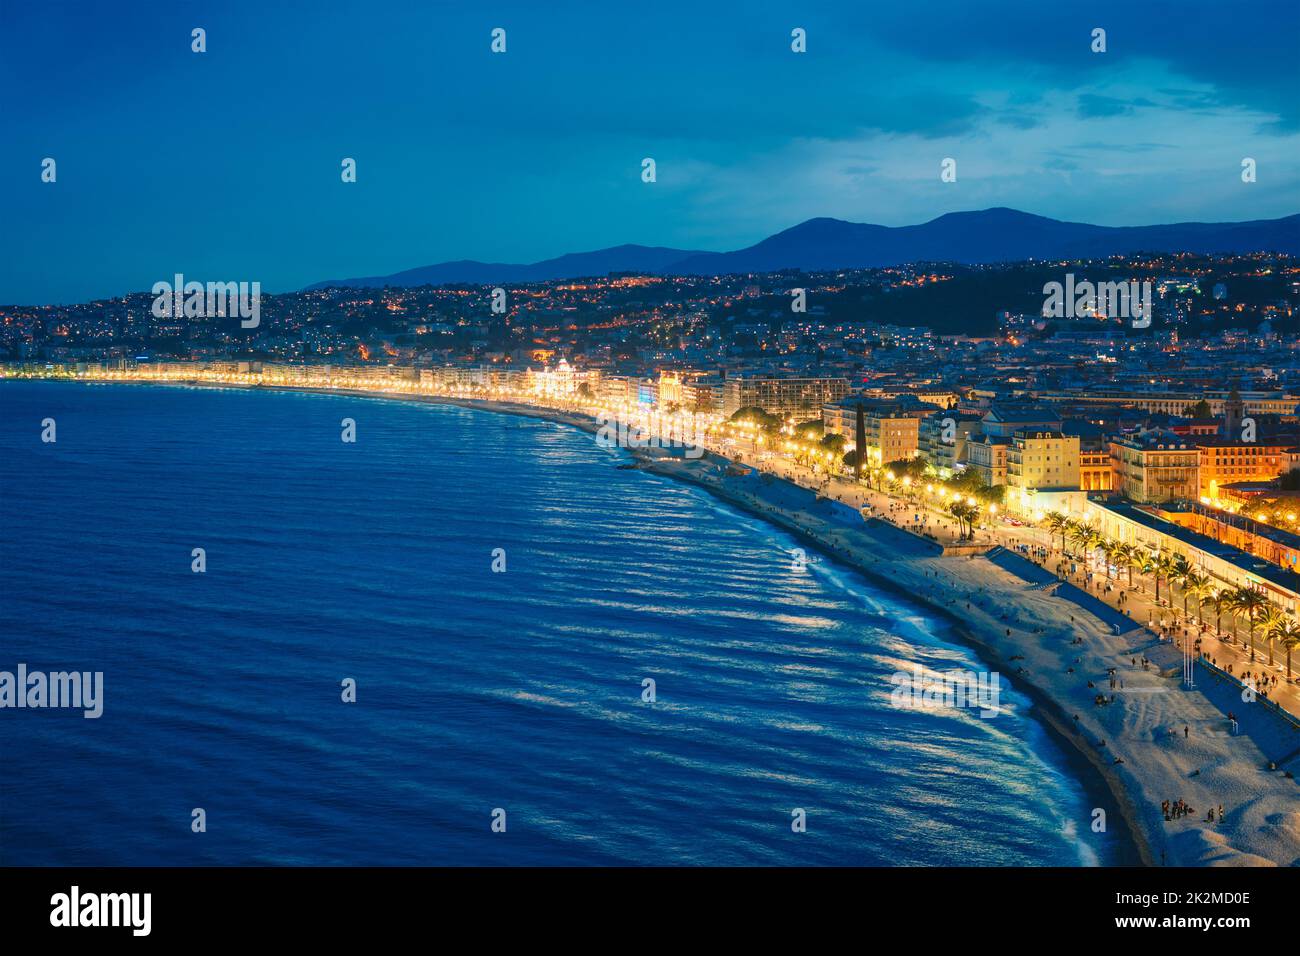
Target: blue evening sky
(225, 165)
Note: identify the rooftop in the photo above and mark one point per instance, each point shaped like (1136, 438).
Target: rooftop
(1249, 563)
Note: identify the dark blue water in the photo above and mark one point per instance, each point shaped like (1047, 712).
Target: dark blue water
(476, 690)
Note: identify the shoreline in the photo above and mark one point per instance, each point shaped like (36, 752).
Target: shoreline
(1054, 719)
(1049, 710)
(1184, 843)
(1149, 842)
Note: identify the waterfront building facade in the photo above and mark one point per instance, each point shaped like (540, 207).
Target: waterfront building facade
(1156, 466)
(787, 396)
(987, 456)
(1042, 459)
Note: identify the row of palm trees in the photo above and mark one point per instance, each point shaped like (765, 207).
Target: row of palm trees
(1241, 603)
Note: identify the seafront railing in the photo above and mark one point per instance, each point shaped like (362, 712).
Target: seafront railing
(1268, 703)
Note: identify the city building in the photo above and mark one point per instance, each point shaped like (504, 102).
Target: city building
(986, 455)
(892, 425)
(1096, 469)
(1042, 459)
(786, 396)
(1156, 466)
(943, 436)
(1224, 461)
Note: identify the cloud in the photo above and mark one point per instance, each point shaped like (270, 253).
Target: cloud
(1122, 165)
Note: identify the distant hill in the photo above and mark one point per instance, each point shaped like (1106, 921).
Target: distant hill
(989, 235)
(628, 258)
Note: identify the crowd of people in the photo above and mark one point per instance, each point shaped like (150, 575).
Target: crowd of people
(1177, 809)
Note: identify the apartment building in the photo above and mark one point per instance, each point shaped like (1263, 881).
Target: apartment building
(1177, 402)
(1224, 461)
(691, 390)
(943, 437)
(1156, 466)
(787, 396)
(1004, 419)
(1046, 460)
(892, 427)
(987, 455)
(988, 451)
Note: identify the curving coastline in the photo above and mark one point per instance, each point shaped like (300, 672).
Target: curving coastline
(980, 599)
(1262, 827)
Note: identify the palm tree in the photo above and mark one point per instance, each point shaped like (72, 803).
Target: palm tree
(1179, 568)
(1229, 599)
(1252, 603)
(1220, 602)
(1288, 635)
(965, 515)
(1094, 540)
(1131, 559)
(1071, 531)
(1086, 537)
(1074, 531)
(1115, 554)
(1058, 523)
(1158, 565)
(1196, 585)
(1147, 565)
(1270, 623)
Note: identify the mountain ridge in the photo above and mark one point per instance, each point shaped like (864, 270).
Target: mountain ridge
(972, 237)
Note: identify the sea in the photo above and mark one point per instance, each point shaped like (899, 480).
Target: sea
(467, 638)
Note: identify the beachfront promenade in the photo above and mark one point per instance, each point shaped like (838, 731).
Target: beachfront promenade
(902, 510)
(1198, 787)
(1165, 619)
(1116, 697)
(1137, 602)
